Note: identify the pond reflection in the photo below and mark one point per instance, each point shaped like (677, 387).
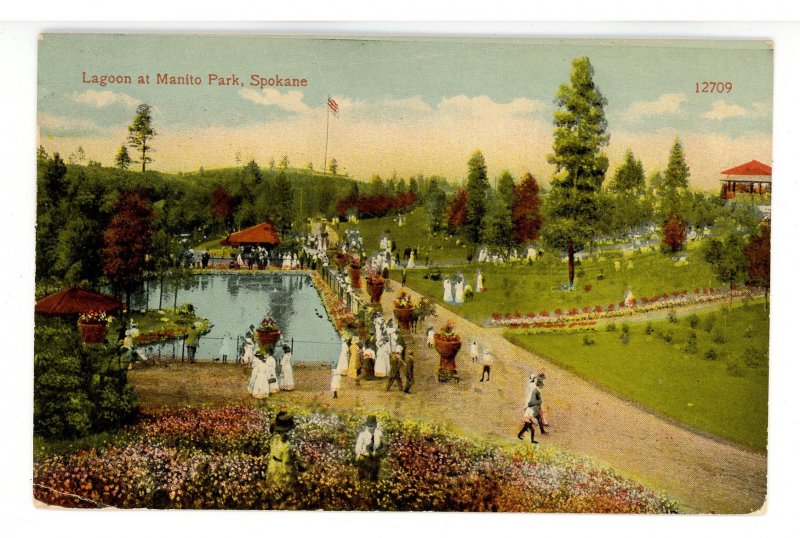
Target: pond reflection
(233, 302)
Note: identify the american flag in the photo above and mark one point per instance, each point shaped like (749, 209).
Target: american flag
(334, 106)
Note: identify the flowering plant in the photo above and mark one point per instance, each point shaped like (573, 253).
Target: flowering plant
(403, 301)
(374, 276)
(93, 316)
(447, 332)
(269, 324)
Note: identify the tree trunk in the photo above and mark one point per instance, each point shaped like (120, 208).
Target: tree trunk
(571, 263)
(175, 302)
(160, 291)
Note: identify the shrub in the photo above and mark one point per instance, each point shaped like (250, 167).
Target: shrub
(691, 344)
(708, 323)
(719, 338)
(735, 369)
(611, 327)
(648, 330)
(749, 332)
(587, 288)
(710, 355)
(625, 328)
(666, 336)
(587, 341)
(672, 316)
(624, 338)
(754, 358)
(694, 321)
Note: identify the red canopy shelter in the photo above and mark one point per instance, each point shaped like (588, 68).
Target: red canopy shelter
(260, 234)
(752, 178)
(74, 301)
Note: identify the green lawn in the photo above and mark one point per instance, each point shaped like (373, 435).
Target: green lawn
(439, 248)
(523, 288)
(726, 396)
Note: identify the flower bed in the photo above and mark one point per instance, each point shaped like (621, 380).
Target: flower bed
(591, 314)
(338, 312)
(217, 458)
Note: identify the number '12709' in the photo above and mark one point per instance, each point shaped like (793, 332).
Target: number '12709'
(713, 87)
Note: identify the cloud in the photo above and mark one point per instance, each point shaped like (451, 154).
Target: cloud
(720, 110)
(483, 105)
(101, 99)
(63, 126)
(291, 101)
(669, 103)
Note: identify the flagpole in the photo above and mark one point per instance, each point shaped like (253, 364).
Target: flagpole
(327, 123)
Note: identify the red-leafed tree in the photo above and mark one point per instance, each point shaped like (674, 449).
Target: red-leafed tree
(526, 213)
(674, 233)
(127, 240)
(758, 256)
(222, 205)
(457, 211)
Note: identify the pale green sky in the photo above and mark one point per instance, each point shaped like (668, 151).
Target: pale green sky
(406, 105)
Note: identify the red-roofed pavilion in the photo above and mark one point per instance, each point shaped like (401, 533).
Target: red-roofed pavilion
(260, 234)
(752, 178)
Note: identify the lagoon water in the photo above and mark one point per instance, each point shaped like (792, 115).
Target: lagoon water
(233, 302)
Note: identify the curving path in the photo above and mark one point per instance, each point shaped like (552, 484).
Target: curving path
(704, 474)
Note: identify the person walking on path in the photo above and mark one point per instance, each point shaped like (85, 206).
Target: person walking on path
(354, 363)
(409, 362)
(342, 364)
(533, 409)
(473, 350)
(286, 380)
(396, 365)
(368, 449)
(248, 350)
(258, 385)
(336, 382)
(487, 364)
(226, 349)
(272, 374)
(429, 337)
(403, 275)
(191, 342)
(280, 468)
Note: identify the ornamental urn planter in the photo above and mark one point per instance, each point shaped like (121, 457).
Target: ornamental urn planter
(403, 315)
(355, 276)
(448, 349)
(93, 332)
(375, 291)
(267, 339)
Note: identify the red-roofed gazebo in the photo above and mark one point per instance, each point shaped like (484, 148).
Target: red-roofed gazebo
(260, 234)
(752, 178)
(74, 301)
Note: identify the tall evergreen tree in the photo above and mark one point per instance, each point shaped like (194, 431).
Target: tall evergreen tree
(497, 228)
(675, 182)
(629, 177)
(140, 132)
(123, 159)
(505, 187)
(477, 194)
(578, 139)
(283, 209)
(51, 188)
(435, 205)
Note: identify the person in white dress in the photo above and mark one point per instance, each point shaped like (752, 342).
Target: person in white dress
(479, 282)
(382, 358)
(226, 349)
(272, 374)
(342, 364)
(411, 260)
(287, 261)
(448, 291)
(336, 382)
(258, 385)
(248, 350)
(286, 381)
(429, 337)
(459, 298)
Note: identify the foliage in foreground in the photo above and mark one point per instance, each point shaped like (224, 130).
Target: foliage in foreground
(218, 458)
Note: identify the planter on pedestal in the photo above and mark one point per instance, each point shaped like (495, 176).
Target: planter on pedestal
(355, 276)
(375, 291)
(93, 332)
(403, 315)
(448, 349)
(267, 339)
